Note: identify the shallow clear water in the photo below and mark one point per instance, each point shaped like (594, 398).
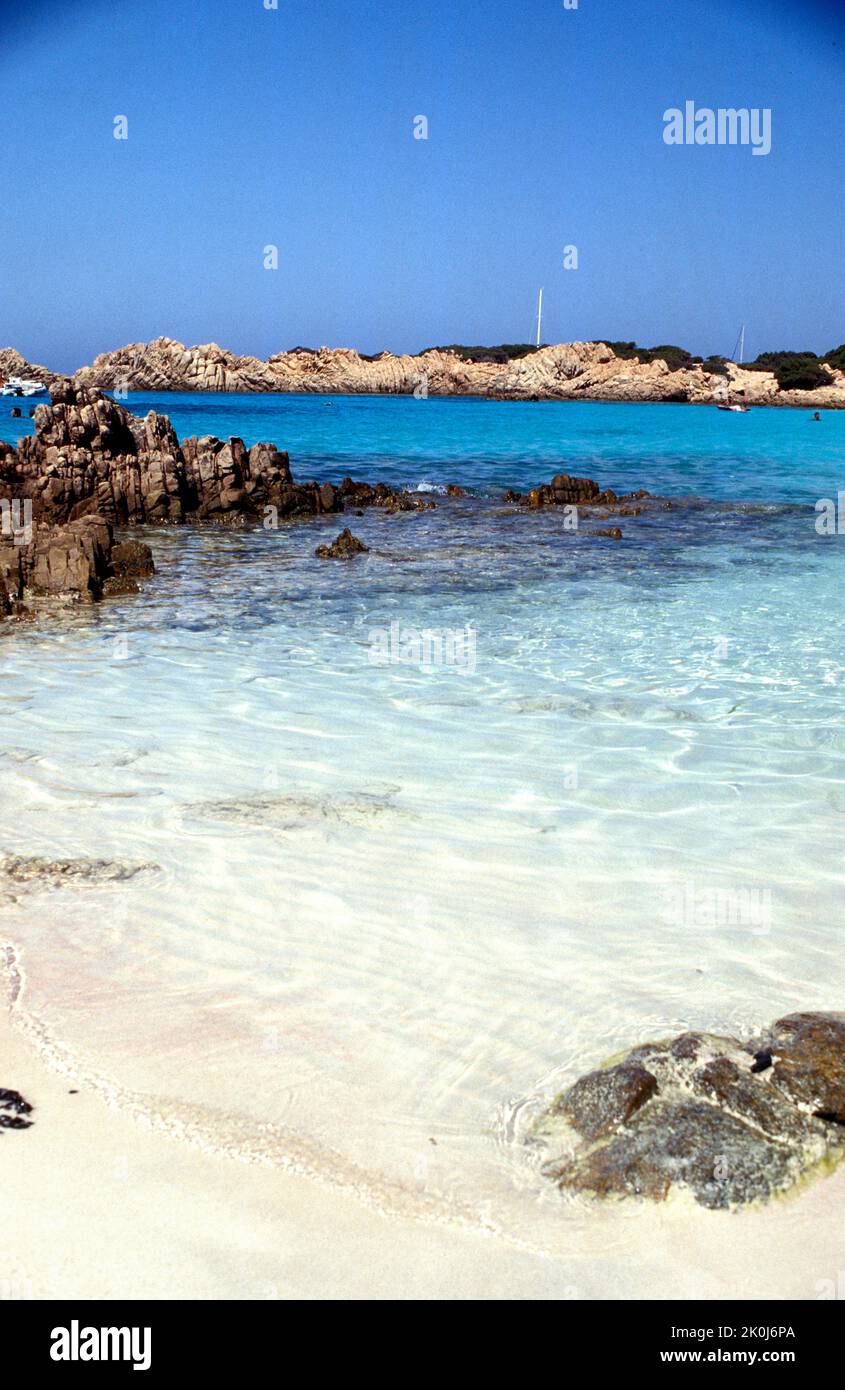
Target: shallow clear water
(386, 905)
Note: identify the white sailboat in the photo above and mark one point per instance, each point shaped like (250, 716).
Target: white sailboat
(738, 355)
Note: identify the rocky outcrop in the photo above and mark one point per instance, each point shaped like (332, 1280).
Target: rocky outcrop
(565, 491)
(381, 495)
(567, 371)
(90, 456)
(728, 1121)
(343, 547)
(578, 493)
(165, 365)
(13, 364)
(70, 563)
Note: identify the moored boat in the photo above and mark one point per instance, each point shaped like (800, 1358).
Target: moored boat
(22, 386)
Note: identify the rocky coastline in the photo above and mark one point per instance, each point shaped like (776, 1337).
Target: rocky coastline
(92, 467)
(563, 372)
(729, 1121)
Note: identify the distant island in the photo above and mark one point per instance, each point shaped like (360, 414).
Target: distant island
(600, 371)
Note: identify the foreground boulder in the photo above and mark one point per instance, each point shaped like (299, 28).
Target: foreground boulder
(728, 1121)
(77, 562)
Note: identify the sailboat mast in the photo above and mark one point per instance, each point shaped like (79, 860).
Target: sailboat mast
(741, 346)
(540, 319)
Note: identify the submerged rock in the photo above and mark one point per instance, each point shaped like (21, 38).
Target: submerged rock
(18, 871)
(728, 1121)
(286, 813)
(132, 559)
(343, 547)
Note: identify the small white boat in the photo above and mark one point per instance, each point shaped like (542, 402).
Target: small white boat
(727, 404)
(21, 386)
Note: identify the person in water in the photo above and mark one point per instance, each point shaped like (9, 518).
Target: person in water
(817, 415)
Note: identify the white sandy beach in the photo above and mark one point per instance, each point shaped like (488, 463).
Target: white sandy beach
(314, 949)
(100, 1205)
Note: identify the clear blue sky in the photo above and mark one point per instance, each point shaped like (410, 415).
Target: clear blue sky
(294, 127)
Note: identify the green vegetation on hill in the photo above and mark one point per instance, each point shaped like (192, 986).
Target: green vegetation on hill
(674, 357)
(716, 366)
(794, 371)
(836, 357)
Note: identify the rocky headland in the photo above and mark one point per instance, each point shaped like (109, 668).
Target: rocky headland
(566, 371)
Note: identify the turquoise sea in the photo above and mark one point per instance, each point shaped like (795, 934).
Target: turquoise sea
(768, 454)
(385, 902)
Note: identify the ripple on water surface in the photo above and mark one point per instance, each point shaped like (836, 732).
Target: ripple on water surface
(387, 906)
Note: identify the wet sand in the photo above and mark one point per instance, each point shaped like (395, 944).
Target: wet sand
(99, 1205)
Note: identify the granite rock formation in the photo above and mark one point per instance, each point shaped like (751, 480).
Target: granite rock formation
(13, 364)
(74, 562)
(165, 365)
(90, 456)
(566, 371)
(728, 1121)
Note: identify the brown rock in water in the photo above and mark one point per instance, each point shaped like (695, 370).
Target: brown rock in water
(808, 1053)
(604, 1099)
(703, 1114)
(383, 496)
(566, 491)
(74, 563)
(342, 548)
(614, 532)
(687, 1144)
(132, 559)
(91, 456)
